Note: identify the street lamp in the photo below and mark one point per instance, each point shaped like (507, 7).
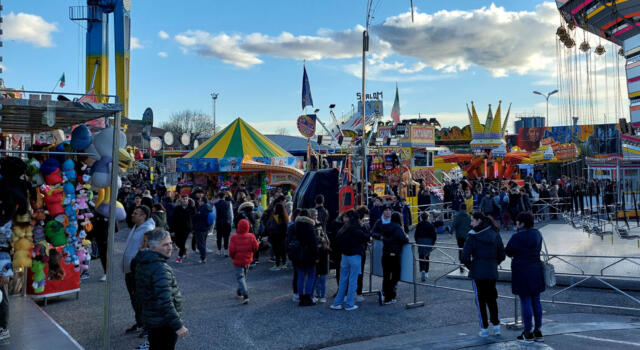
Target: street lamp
(214, 96)
(546, 98)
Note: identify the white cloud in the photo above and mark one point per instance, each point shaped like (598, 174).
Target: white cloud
(491, 37)
(163, 35)
(224, 47)
(163, 54)
(135, 43)
(28, 28)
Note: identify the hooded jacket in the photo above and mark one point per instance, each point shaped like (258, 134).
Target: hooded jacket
(201, 218)
(134, 240)
(242, 245)
(157, 291)
(160, 218)
(393, 237)
(245, 211)
(182, 219)
(482, 253)
(306, 235)
(527, 271)
(351, 239)
(462, 224)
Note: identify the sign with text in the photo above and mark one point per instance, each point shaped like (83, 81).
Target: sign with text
(307, 125)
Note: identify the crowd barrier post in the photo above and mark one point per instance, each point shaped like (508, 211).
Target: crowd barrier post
(517, 321)
(371, 291)
(416, 267)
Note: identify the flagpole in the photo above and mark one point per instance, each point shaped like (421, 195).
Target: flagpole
(55, 86)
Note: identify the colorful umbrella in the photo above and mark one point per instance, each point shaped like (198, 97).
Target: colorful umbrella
(238, 139)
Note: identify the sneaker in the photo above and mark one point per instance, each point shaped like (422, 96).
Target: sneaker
(178, 260)
(85, 276)
(275, 268)
(423, 276)
(351, 308)
(103, 278)
(238, 295)
(496, 330)
(314, 300)
(380, 297)
(525, 338)
(390, 302)
(253, 264)
(226, 253)
(283, 267)
(203, 261)
(245, 300)
(209, 251)
(295, 298)
(335, 307)
(537, 336)
(322, 300)
(4, 334)
(484, 332)
(143, 346)
(219, 253)
(131, 329)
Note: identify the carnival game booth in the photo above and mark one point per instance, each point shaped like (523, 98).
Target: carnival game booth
(47, 191)
(239, 152)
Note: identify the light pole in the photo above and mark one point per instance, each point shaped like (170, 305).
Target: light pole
(546, 122)
(214, 96)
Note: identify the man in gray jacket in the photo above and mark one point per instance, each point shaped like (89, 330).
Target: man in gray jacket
(142, 222)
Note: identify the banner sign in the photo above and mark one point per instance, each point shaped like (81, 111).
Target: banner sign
(263, 160)
(379, 189)
(185, 165)
(231, 164)
(293, 162)
(307, 125)
(282, 179)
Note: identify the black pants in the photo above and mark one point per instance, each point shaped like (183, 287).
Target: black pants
(181, 241)
(338, 260)
(294, 283)
(390, 275)
(256, 255)
(424, 265)
(223, 231)
(460, 242)
(361, 275)
(486, 297)
(194, 240)
(279, 251)
(102, 253)
(200, 237)
(163, 338)
(130, 281)
(4, 307)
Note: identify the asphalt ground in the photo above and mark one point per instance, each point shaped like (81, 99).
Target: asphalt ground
(217, 320)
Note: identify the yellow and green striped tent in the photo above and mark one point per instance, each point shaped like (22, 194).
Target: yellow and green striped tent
(238, 139)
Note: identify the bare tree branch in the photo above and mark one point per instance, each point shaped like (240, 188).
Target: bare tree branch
(196, 123)
(282, 131)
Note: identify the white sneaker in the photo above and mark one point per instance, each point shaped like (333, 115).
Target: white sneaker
(143, 346)
(359, 298)
(351, 308)
(390, 302)
(336, 307)
(322, 300)
(314, 299)
(295, 298)
(4, 334)
(209, 251)
(496, 330)
(484, 332)
(219, 253)
(103, 278)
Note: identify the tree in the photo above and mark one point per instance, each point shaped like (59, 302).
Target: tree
(282, 131)
(196, 123)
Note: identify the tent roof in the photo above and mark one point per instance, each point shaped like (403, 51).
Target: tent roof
(238, 139)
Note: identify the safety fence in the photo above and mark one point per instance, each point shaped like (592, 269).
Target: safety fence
(577, 274)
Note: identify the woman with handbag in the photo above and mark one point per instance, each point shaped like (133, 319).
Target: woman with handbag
(527, 274)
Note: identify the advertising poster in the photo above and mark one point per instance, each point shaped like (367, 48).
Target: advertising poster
(231, 164)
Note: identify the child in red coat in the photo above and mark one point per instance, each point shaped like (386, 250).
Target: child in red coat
(242, 246)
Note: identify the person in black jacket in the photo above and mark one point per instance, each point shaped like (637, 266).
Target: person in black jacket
(201, 227)
(323, 213)
(183, 224)
(482, 253)
(350, 239)
(393, 239)
(224, 219)
(158, 293)
(527, 274)
(306, 266)
(425, 235)
(277, 232)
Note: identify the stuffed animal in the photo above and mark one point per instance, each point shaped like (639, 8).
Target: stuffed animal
(39, 278)
(56, 272)
(21, 253)
(13, 189)
(6, 269)
(50, 168)
(53, 198)
(54, 232)
(33, 170)
(69, 194)
(69, 170)
(80, 138)
(70, 256)
(82, 199)
(22, 231)
(83, 258)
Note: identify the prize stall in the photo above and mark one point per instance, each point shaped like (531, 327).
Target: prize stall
(239, 153)
(47, 197)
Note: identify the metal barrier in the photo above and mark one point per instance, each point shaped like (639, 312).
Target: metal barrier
(451, 260)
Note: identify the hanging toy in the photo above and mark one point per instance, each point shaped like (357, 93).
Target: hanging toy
(38, 277)
(56, 272)
(53, 198)
(69, 170)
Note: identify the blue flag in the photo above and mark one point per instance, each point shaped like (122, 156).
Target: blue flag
(306, 90)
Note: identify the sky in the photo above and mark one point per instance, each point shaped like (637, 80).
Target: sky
(252, 53)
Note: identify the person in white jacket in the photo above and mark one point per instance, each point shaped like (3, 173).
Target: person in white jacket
(142, 223)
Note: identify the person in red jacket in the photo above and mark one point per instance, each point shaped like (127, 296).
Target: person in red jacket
(242, 246)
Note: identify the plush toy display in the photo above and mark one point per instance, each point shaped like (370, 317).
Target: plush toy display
(56, 272)
(33, 170)
(39, 279)
(69, 170)
(51, 171)
(83, 259)
(53, 199)
(21, 254)
(69, 194)
(80, 138)
(54, 231)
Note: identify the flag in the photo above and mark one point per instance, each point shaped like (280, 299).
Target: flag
(62, 81)
(89, 97)
(395, 110)
(306, 90)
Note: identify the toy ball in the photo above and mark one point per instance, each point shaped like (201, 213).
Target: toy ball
(80, 138)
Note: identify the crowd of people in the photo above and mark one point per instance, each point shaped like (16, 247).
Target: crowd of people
(311, 243)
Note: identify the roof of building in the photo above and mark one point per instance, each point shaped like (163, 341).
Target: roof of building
(294, 144)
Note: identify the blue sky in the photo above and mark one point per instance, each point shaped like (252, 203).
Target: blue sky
(251, 53)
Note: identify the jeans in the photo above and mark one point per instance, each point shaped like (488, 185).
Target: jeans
(241, 277)
(349, 271)
(162, 338)
(130, 281)
(486, 297)
(390, 275)
(223, 231)
(321, 286)
(201, 242)
(531, 308)
(308, 273)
